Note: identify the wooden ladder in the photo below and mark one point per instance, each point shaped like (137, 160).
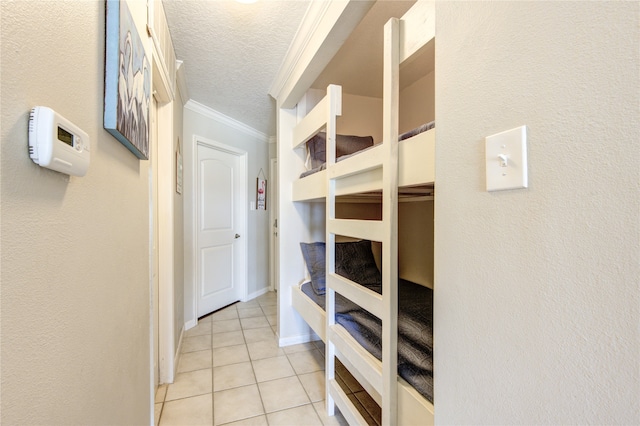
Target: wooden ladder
(380, 375)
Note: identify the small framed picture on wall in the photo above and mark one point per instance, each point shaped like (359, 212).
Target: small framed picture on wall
(261, 194)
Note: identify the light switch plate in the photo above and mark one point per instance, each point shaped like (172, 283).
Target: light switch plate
(506, 157)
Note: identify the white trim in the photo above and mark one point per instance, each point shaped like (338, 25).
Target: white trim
(181, 82)
(178, 352)
(257, 293)
(295, 340)
(190, 324)
(164, 165)
(165, 90)
(273, 217)
(158, 31)
(166, 242)
(223, 119)
(325, 27)
(307, 29)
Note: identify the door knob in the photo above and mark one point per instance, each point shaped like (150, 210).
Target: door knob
(237, 236)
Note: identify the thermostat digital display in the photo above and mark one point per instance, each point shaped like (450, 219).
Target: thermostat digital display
(65, 136)
(56, 143)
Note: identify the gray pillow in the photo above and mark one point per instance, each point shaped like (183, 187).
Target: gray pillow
(354, 260)
(314, 257)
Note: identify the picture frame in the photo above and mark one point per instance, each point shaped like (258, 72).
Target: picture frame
(127, 81)
(261, 194)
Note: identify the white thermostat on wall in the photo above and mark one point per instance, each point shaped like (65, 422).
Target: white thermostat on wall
(57, 143)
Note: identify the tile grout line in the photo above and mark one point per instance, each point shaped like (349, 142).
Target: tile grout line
(245, 344)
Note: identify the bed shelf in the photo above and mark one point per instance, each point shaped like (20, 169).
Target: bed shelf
(413, 408)
(416, 170)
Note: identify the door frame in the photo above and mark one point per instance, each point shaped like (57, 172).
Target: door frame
(167, 352)
(191, 221)
(273, 217)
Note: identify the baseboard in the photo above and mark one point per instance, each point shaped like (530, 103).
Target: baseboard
(295, 340)
(256, 294)
(176, 358)
(190, 324)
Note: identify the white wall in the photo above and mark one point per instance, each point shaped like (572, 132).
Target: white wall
(178, 227)
(416, 103)
(75, 251)
(198, 122)
(292, 229)
(536, 291)
(361, 116)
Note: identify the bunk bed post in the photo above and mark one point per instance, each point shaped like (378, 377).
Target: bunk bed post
(390, 99)
(334, 108)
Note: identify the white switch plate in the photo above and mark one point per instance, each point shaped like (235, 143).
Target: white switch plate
(506, 157)
(252, 205)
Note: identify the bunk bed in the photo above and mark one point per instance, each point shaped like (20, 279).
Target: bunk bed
(355, 261)
(416, 155)
(389, 171)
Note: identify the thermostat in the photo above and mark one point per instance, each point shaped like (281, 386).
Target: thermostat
(56, 143)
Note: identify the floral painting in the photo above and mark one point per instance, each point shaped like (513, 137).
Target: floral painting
(127, 81)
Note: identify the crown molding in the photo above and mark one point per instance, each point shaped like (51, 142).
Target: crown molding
(226, 120)
(307, 29)
(324, 28)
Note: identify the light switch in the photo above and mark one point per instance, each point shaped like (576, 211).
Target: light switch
(506, 157)
(252, 205)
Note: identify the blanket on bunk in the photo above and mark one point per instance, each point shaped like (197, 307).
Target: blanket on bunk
(347, 146)
(415, 330)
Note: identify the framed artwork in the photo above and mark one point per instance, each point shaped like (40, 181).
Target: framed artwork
(127, 81)
(261, 194)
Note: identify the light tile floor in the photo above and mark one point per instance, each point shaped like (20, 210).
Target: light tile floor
(232, 372)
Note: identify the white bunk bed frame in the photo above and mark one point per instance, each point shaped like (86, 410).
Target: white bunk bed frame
(384, 168)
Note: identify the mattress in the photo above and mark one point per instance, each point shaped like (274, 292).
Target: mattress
(415, 331)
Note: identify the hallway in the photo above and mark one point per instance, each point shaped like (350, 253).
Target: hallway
(232, 372)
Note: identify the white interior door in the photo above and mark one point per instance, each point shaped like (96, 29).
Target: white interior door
(221, 225)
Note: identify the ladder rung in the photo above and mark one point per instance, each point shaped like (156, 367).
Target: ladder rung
(364, 229)
(367, 365)
(367, 299)
(367, 160)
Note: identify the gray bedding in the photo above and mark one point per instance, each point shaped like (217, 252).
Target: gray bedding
(415, 330)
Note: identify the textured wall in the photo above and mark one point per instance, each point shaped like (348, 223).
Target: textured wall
(416, 103)
(75, 251)
(537, 297)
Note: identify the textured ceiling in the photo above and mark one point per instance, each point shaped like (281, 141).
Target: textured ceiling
(232, 52)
